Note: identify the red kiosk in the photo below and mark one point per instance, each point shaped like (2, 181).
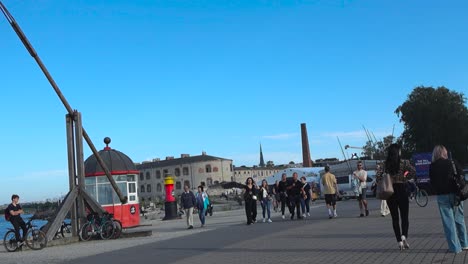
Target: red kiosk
(125, 174)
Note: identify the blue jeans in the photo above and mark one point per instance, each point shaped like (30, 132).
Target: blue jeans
(453, 222)
(305, 205)
(266, 204)
(201, 215)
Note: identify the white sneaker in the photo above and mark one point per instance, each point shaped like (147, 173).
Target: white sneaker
(304, 215)
(282, 216)
(263, 220)
(269, 220)
(308, 214)
(405, 243)
(335, 215)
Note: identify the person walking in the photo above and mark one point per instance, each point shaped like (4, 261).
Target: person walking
(294, 192)
(15, 210)
(361, 175)
(400, 171)
(330, 191)
(188, 201)
(282, 190)
(265, 200)
(250, 198)
(441, 173)
(202, 204)
(306, 194)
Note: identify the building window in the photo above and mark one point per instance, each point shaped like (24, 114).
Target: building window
(178, 185)
(148, 175)
(142, 177)
(142, 189)
(202, 183)
(185, 171)
(208, 168)
(159, 187)
(177, 172)
(230, 166)
(158, 174)
(215, 169)
(187, 183)
(165, 172)
(148, 188)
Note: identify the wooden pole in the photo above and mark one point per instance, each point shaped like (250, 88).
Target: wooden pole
(71, 170)
(80, 163)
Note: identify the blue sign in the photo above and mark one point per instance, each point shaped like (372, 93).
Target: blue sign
(422, 161)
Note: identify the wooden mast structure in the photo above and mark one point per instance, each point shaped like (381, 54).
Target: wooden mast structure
(77, 198)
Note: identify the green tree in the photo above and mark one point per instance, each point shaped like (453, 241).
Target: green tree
(270, 164)
(377, 149)
(434, 116)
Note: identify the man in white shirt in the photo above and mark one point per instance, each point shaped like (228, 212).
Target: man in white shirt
(361, 175)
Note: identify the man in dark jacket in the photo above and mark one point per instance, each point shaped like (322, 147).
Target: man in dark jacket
(188, 201)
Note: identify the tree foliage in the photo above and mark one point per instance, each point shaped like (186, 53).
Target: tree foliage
(434, 116)
(376, 149)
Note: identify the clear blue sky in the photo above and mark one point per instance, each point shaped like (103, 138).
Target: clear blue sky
(163, 78)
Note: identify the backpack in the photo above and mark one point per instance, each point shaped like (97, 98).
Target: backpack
(462, 188)
(7, 214)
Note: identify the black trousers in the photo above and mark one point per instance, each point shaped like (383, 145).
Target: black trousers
(295, 203)
(283, 200)
(17, 224)
(398, 204)
(251, 210)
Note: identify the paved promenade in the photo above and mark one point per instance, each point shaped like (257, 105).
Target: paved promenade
(226, 239)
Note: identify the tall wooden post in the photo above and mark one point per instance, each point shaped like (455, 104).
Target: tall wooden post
(80, 163)
(71, 170)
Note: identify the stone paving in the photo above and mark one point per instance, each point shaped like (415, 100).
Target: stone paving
(226, 239)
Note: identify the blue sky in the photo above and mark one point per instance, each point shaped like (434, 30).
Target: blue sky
(162, 78)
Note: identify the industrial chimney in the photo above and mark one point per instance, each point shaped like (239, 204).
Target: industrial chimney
(306, 160)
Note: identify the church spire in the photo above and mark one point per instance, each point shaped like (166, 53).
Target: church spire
(262, 162)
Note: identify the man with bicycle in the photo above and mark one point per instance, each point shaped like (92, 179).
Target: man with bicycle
(16, 220)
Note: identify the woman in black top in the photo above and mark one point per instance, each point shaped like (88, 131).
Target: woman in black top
(250, 198)
(400, 171)
(441, 173)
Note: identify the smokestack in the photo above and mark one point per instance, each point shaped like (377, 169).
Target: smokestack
(306, 160)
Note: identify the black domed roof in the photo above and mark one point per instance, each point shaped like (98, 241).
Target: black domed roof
(116, 161)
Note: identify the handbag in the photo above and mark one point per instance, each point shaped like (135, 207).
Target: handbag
(384, 187)
(462, 187)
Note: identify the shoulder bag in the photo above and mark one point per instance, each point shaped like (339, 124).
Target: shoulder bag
(384, 187)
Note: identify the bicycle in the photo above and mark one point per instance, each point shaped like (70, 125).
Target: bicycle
(64, 231)
(102, 226)
(35, 239)
(420, 195)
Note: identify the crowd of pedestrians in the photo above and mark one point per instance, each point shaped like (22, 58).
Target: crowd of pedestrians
(296, 195)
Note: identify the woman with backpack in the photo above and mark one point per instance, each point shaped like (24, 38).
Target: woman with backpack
(441, 173)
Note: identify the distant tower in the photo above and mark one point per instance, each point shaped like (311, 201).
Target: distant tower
(306, 160)
(262, 162)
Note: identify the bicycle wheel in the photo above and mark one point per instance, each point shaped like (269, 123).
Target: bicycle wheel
(422, 198)
(65, 230)
(86, 232)
(107, 230)
(9, 241)
(36, 239)
(117, 229)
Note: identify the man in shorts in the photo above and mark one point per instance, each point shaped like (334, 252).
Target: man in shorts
(361, 175)
(330, 190)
